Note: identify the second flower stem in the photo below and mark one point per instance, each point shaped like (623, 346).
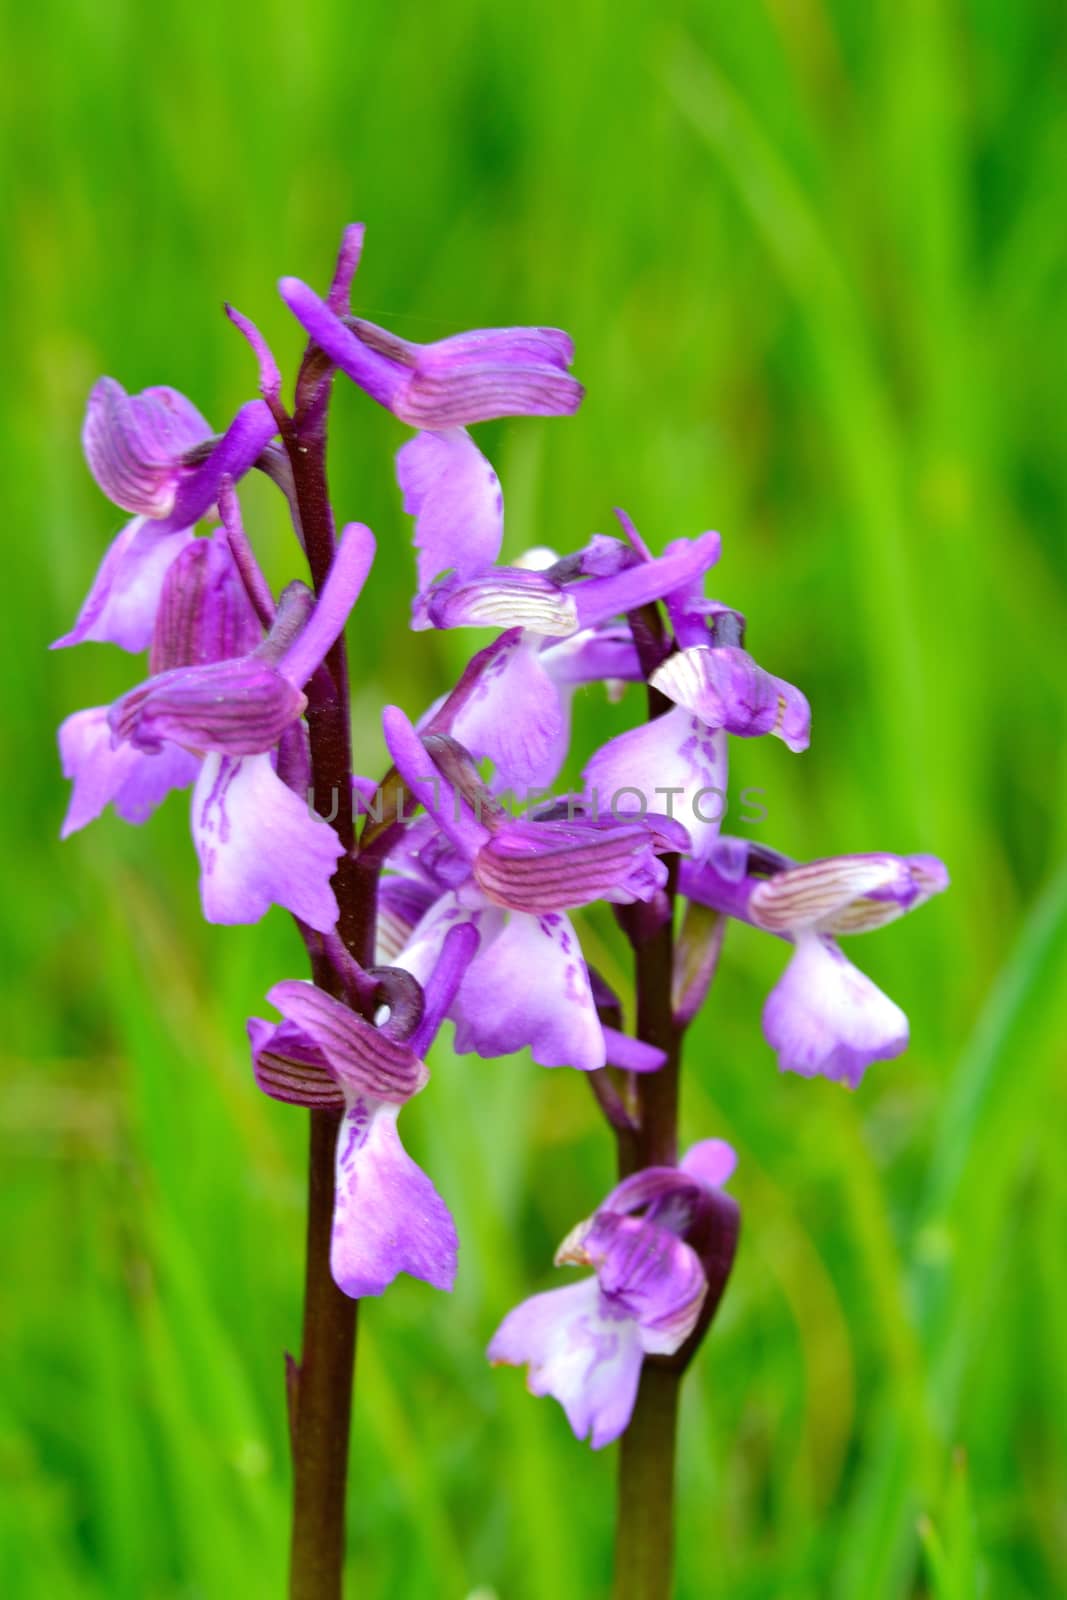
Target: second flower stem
(644, 1534)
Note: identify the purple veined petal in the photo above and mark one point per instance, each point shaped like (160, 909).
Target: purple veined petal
(541, 867)
(580, 1351)
(631, 1055)
(290, 1068)
(454, 495)
(237, 708)
(133, 781)
(388, 1217)
(846, 894)
(725, 688)
(825, 1017)
(529, 985)
(673, 765)
(712, 1162)
(649, 1273)
(532, 346)
(447, 807)
(270, 379)
(516, 718)
(204, 614)
(134, 444)
(457, 952)
(504, 597)
(121, 606)
(473, 377)
(248, 435)
(362, 1058)
(600, 599)
(344, 582)
(260, 845)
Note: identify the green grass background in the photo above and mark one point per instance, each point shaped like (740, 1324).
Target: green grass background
(813, 256)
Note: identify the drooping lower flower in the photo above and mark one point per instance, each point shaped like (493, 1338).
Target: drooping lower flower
(388, 1217)
(585, 1344)
(824, 1017)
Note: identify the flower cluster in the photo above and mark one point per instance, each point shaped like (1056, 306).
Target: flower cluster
(474, 900)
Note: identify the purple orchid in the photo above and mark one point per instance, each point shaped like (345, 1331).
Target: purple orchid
(213, 715)
(585, 1344)
(153, 454)
(462, 913)
(388, 1217)
(441, 389)
(515, 879)
(824, 1016)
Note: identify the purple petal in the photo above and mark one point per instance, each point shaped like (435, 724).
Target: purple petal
(363, 1059)
(344, 583)
(673, 765)
(556, 865)
(725, 688)
(504, 597)
(599, 599)
(454, 495)
(204, 614)
(447, 807)
(136, 782)
(121, 606)
(236, 453)
(388, 1216)
(580, 1351)
(476, 377)
(381, 378)
(289, 1067)
(595, 655)
(711, 1161)
(530, 986)
(650, 1273)
(260, 845)
(515, 718)
(842, 894)
(440, 988)
(134, 444)
(826, 1017)
(237, 708)
(631, 1055)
